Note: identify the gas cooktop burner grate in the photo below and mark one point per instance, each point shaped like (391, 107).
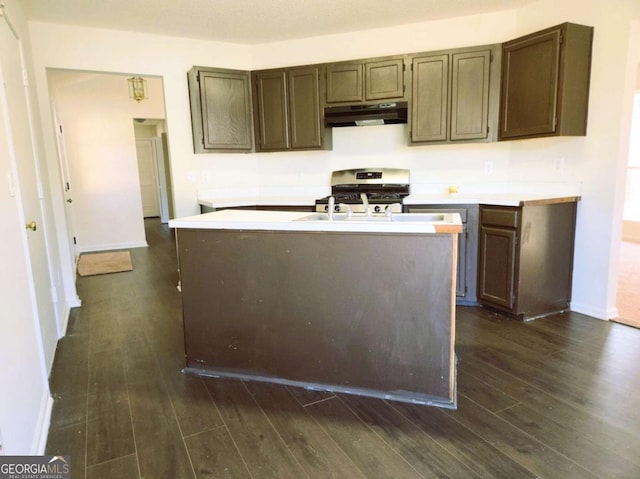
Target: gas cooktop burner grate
(344, 197)
(372, 197)
(385, 196)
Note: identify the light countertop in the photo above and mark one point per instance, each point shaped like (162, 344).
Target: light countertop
(501, 199)
(493, 199)
(293, 221)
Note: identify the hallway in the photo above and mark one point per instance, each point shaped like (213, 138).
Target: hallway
(555, 397)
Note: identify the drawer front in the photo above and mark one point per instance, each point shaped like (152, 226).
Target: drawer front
(507, 217)
(427, 209)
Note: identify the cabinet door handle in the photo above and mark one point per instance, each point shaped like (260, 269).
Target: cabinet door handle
(32, 226)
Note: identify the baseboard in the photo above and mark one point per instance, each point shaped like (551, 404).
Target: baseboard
(42, 426)
(65, 324)
(112, 246)
(75, 303)
(67, 312)
(594, 312)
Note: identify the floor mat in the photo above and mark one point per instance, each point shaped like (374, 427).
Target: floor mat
(104, 263)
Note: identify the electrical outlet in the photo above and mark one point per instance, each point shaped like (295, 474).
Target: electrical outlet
(558, 165)
(488, 167)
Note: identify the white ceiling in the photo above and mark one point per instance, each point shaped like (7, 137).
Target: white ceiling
(253, 21)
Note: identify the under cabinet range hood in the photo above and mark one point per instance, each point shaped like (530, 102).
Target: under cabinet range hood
(364, 115)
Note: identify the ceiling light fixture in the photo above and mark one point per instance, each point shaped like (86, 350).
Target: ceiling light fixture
(137, 88)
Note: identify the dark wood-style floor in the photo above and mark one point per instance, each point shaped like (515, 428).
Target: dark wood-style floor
(555, 398)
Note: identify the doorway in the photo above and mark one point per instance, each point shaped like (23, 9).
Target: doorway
(628, 299)
(95, 113)
(153, 165)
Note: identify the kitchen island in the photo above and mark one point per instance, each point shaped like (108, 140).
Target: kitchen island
(355, 305)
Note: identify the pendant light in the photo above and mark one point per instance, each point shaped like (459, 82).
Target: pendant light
(137, 88)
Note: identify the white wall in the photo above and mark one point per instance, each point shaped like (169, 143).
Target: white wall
(425, 36)
(595, 160)
(97, 118)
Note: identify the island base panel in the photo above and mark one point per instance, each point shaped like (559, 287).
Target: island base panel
(370, 314)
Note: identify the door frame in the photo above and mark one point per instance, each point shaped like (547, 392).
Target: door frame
(67, 182)
(161, 165)
(158, 149)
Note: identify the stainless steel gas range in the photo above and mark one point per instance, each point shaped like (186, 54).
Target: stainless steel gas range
(366, 190)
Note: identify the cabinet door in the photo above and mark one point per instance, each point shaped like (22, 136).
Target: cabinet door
(429, 102)
(304, 108)
(530, 85)
(497, 266)
(470, 95)
(344, 82)
(273, 121)
(226, 110)
(384, 79)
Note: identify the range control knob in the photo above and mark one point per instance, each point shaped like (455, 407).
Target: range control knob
(377, 209)
(337, 208)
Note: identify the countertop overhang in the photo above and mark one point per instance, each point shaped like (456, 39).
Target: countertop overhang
(293, 221)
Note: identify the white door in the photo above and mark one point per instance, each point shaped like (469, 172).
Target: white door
(148, 173)
(22, 375)
(66, 187)
(18, 131)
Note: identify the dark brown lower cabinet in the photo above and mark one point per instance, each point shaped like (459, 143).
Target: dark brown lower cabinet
(499, 261)
(525, 259)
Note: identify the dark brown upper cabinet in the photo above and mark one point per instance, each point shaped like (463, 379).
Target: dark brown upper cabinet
(545, 83)
(365, 81)
(430, 98)
(344, 83)
(455, 95)
(305, 115)
(220, 110)
(287, 110)
(271, 112)
(384, 79)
